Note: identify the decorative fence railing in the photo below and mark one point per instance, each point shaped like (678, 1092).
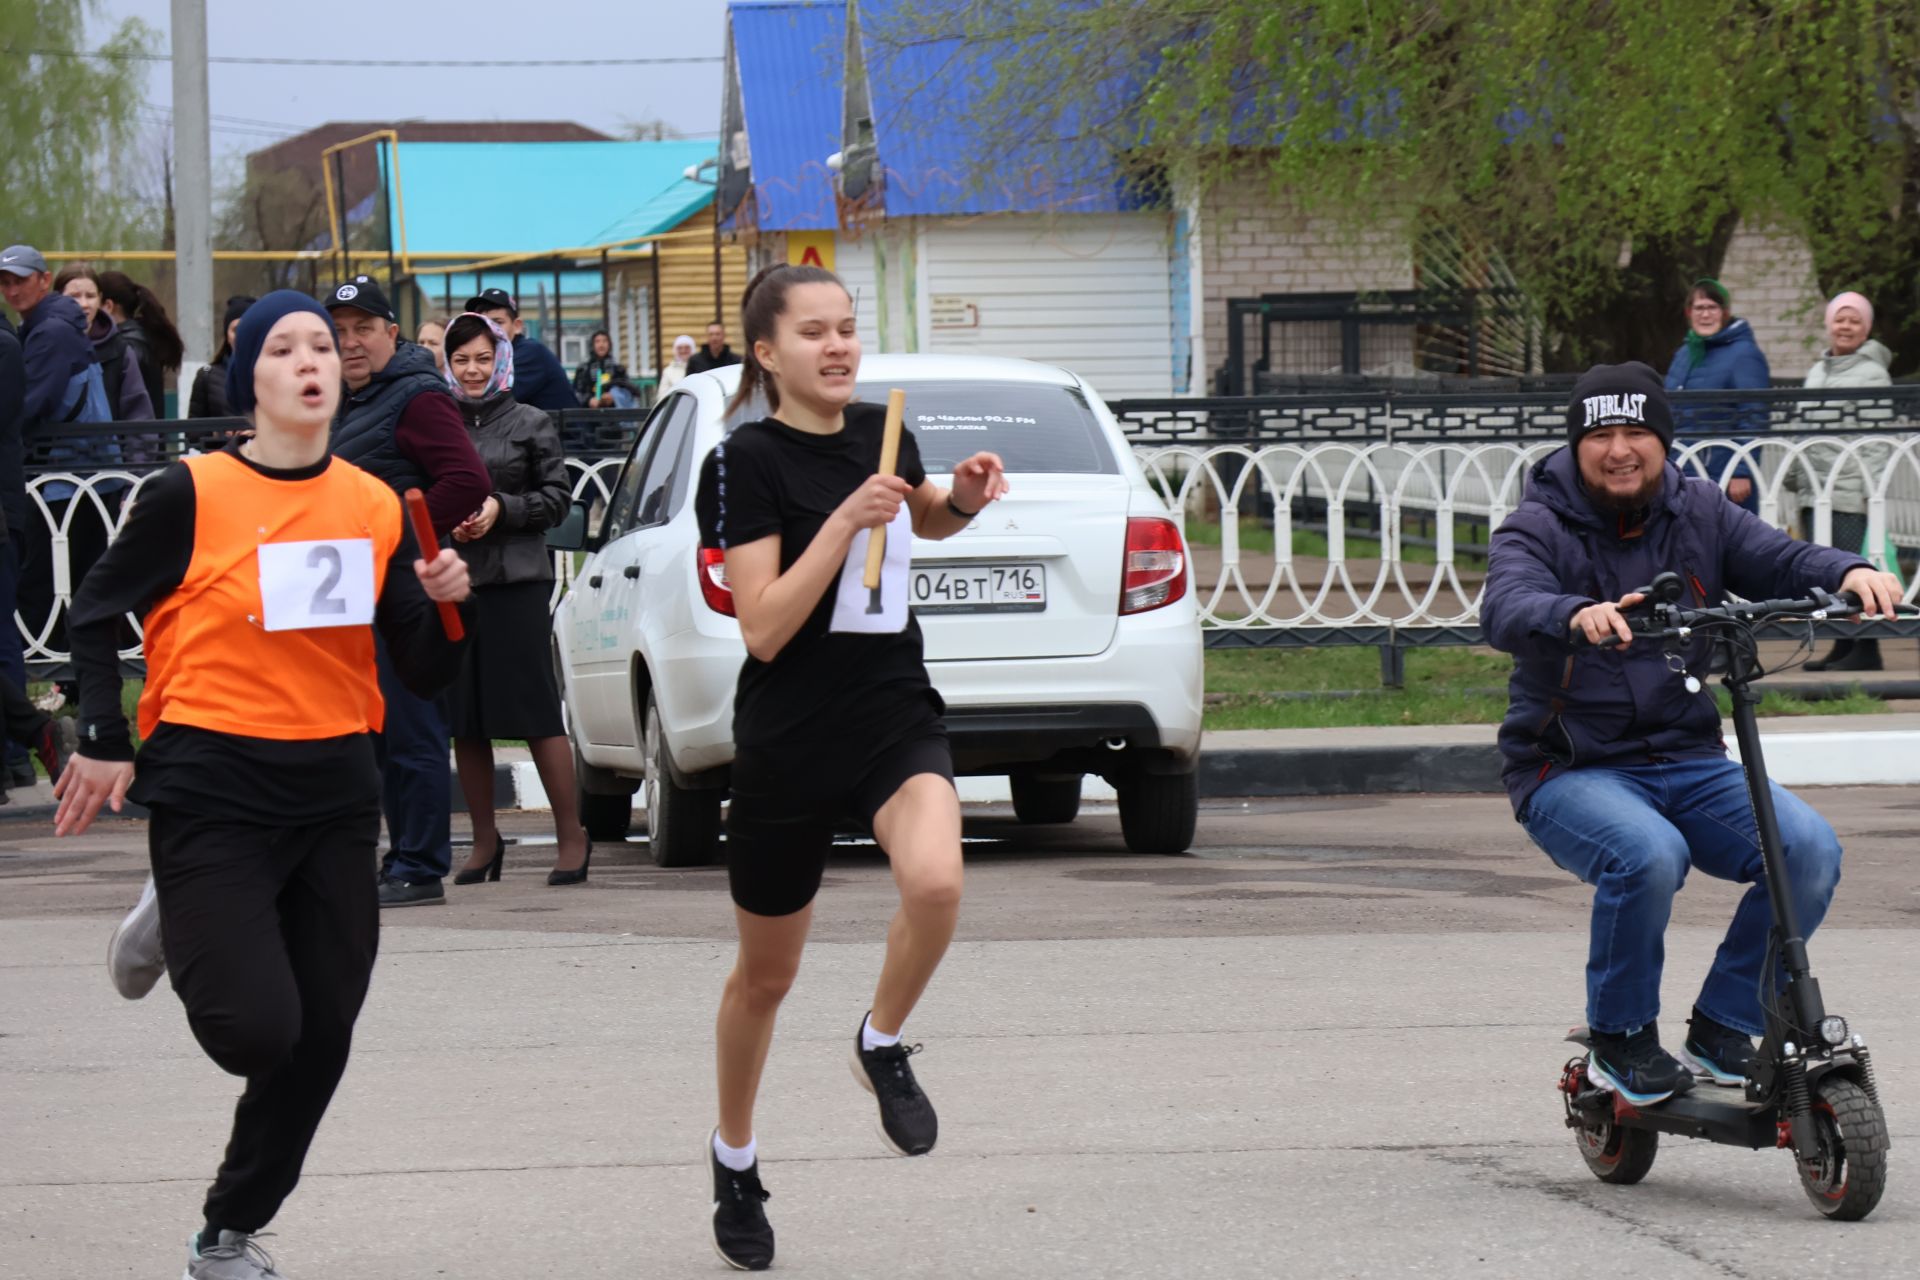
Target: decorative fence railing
(1304, 528)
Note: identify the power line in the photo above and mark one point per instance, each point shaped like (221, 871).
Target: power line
(444, 64)
(278, 126)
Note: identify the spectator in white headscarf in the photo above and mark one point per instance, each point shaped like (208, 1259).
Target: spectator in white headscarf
(1851, 359)
(670, 376)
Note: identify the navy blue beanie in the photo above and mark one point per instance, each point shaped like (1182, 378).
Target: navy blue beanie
(255, 325)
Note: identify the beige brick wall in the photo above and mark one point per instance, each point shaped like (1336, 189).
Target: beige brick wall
(1254, 241)
(1770, 275)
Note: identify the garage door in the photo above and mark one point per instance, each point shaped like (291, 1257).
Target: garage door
(1089, 292)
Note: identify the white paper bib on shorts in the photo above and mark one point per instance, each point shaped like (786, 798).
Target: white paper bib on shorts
(305, 585)
(850, 607)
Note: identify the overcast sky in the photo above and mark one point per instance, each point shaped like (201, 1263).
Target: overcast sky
(274, 101)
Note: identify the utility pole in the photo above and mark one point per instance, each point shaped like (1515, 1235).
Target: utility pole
(192, 187)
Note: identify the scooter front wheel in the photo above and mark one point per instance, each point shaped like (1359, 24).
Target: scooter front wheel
(1617, 1155)
(1848, 1174)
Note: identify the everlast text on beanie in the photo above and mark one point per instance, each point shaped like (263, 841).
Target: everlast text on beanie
(255, 325)
(1620, 395)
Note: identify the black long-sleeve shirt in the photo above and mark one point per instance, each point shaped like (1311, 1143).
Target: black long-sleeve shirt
(261, 779)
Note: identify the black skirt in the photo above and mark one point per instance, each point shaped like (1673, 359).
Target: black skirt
(506, 688)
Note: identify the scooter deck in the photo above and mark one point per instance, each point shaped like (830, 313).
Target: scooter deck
(1728, 1118)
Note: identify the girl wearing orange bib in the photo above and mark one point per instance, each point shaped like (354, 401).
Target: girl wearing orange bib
(260, 573)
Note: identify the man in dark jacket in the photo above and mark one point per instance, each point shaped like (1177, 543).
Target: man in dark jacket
(398, 421)
(1614, 768)
(13, 497)
(716, 354)
(539, 379)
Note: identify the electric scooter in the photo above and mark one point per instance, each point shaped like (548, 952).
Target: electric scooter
(1811, 1090)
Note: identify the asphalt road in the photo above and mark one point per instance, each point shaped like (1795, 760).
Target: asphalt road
(1324, 1043)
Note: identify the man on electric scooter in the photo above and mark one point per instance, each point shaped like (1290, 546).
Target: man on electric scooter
(1615, 769)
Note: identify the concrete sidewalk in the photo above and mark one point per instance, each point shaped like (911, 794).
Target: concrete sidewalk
(1802, 751)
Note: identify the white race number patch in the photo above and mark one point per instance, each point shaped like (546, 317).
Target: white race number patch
(304, 585)
(881, 612)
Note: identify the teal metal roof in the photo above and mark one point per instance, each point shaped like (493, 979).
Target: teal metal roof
(491, 198)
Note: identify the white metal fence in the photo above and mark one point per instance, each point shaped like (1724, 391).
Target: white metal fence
(1245, 508)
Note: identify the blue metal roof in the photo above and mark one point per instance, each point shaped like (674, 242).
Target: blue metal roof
(926, 96)
(789, 58)
(563, 195)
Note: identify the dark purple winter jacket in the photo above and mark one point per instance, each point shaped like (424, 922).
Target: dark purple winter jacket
(1574, 708)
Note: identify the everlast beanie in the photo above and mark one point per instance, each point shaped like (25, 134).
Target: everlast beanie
(1620, 395)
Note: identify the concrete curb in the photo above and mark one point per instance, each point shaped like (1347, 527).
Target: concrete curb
(1331, 762)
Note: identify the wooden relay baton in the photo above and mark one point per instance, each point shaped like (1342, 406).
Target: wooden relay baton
(889, 459)
(429, 550)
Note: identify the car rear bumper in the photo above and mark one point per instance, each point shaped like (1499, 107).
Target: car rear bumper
(1066, 738)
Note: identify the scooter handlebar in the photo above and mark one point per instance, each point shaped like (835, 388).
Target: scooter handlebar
(1664, 620)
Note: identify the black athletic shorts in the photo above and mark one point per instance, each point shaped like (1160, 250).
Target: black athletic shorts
(786, 801)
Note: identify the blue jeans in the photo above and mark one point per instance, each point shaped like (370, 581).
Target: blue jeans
(417, 788)
(1632, 832)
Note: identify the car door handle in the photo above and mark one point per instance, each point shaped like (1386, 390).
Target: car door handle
(594, 581)
(631, 571)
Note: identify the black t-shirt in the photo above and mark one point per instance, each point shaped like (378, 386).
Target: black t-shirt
(857, 691)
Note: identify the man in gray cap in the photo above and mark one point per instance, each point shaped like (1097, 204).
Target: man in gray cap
(62, 376)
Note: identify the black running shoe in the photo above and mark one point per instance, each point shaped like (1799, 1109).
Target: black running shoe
(1717, 1051)
(1636, 1067)
(742, 1236)
(907, 1122)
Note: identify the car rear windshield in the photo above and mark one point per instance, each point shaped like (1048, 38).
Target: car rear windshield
(1032, 426)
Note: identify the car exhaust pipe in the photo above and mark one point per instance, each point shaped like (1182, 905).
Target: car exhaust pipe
(1116, 744)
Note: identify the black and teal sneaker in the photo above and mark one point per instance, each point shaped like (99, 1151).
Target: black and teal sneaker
(1634, 1066)
(1716, 1051)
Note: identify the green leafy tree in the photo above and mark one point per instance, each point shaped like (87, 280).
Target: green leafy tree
(69, 129)
(1605, 148)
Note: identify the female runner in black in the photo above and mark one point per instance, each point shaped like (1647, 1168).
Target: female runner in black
(260, 573)
(834, 713)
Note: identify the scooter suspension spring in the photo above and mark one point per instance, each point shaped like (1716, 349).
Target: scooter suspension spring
(1865, 1059)
(1794, 1072)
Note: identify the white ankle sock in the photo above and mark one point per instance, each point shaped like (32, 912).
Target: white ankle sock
(871, 1039)
(738, 1159)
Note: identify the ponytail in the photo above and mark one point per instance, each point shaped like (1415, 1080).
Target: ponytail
(140, 303)
(761, 307)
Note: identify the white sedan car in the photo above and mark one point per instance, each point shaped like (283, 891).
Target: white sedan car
(1060, 626)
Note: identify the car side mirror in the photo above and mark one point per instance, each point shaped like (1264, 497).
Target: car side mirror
(571, 533)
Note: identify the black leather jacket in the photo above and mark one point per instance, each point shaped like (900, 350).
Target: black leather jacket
(528, 471)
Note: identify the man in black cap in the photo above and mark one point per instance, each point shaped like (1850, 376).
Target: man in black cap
(538, 377)
(716, 354)
(1614, 763)
(398, 421)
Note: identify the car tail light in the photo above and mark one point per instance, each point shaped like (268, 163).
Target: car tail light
(1156, 565)
(712, 572)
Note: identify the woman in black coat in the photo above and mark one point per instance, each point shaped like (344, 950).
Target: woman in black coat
(209, 398)
(506, 686)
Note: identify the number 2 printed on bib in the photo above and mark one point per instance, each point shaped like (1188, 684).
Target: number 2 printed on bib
(306, 585)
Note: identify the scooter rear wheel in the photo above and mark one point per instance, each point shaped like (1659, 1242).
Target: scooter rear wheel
(1847, 1177)
(1617, 1155)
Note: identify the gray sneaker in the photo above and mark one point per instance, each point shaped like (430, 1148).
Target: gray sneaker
(134, 958)
(238, 1256)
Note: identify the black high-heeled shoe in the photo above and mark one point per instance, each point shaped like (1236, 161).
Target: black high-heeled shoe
(491, 871)
(576, 876)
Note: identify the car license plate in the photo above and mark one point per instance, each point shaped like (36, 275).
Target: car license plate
(979, 588)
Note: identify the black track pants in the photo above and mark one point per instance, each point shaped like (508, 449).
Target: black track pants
(270, 934)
